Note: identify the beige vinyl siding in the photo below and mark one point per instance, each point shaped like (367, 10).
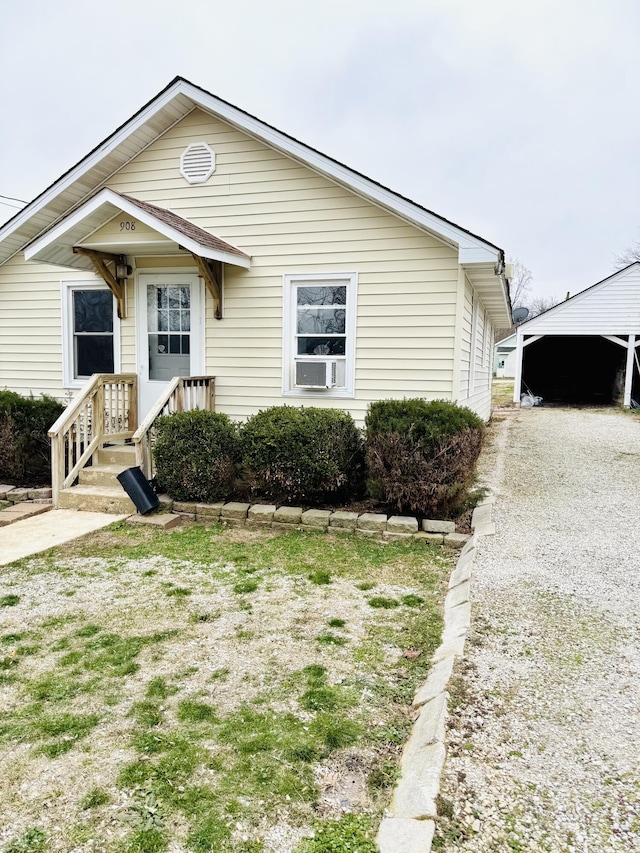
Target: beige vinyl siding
(31, 326)
(291, 220)
(477, 397)
(31, 358)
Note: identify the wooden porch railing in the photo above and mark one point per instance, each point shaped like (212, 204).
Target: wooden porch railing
(183, 394)
(105, 410)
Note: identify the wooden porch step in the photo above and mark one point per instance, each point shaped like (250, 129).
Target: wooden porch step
(101, 475)
(95, 498)
(115, 454)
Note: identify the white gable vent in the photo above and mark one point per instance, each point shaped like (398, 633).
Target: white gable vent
(197, 163)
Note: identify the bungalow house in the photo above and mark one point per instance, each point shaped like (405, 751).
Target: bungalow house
(585, 349)
(199, 256)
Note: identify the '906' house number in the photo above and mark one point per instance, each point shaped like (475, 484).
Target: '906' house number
(128, 225)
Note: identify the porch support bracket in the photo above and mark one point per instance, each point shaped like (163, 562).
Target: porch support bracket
(115, 285)
(615, 340)
(211, 272)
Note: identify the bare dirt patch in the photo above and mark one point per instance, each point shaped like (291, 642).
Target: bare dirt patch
(207, 690)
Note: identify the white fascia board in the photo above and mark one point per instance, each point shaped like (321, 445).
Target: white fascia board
(54, 234)
(477, 254)
(113, 203)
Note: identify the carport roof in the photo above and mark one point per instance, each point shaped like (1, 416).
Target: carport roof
(609, 307)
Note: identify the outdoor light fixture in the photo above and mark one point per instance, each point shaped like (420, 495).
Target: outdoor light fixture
(123, 270)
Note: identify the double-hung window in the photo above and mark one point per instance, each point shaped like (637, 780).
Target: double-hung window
(319, 334)
(90, 332)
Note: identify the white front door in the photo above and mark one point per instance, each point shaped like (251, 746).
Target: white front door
(170, 339)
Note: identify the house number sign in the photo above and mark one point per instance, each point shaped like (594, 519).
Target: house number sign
(128, 225)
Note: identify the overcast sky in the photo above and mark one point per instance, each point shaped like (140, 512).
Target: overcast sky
(516, 119)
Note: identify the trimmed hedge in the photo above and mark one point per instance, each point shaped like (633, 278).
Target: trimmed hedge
(422, 455)
(25, 447)
(196, 455)
(303, 455)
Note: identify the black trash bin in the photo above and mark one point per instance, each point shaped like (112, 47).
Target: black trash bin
(139, 490)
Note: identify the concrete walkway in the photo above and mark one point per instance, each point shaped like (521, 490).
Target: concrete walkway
(33, 535)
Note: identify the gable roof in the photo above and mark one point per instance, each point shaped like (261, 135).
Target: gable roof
(506, 343)
(611, 305)
(56, 246)
(484, 260)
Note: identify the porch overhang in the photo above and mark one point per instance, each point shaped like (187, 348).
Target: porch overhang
(100, 234)
(165, 233)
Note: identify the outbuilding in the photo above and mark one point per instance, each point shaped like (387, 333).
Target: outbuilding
(504, 358)
(585, 350)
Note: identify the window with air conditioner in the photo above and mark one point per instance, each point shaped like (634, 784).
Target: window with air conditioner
(319, 334)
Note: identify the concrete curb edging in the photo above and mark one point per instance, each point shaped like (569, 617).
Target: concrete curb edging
(409, 823)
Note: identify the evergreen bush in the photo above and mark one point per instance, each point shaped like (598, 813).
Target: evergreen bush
(421, 455)
(25, 447)
(196, 455)
(303, 455)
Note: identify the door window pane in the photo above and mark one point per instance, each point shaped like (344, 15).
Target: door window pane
(168, 313)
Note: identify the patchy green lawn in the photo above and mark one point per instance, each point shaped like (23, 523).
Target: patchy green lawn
(209, 689)
(502, 394)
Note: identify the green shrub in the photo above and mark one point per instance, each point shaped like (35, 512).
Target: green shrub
(196, 455)
(305, 455)
(421, 455)
(25, 447)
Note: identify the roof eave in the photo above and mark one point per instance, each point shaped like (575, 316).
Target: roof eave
(436, 225)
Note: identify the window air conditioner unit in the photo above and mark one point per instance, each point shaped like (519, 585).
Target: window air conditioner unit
(315, 374)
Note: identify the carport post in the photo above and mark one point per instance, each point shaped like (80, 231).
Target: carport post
(518, 377)
(628, 377)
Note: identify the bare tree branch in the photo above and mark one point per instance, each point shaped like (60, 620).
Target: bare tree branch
(520, 283)
(629, 256)
(540, 304)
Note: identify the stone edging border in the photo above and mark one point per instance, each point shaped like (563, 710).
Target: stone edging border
(409, 823)
(367, 525)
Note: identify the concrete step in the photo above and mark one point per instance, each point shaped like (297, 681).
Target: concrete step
(101, 475)
(116, 454)
(97, 499)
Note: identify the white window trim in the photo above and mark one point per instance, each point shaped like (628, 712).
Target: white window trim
(289, 332)
(66, 290)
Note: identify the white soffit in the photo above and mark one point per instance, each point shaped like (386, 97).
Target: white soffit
(92, 172)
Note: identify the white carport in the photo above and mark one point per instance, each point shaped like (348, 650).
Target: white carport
(585, 350)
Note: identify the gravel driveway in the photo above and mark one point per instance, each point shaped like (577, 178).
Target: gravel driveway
(544, 735)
